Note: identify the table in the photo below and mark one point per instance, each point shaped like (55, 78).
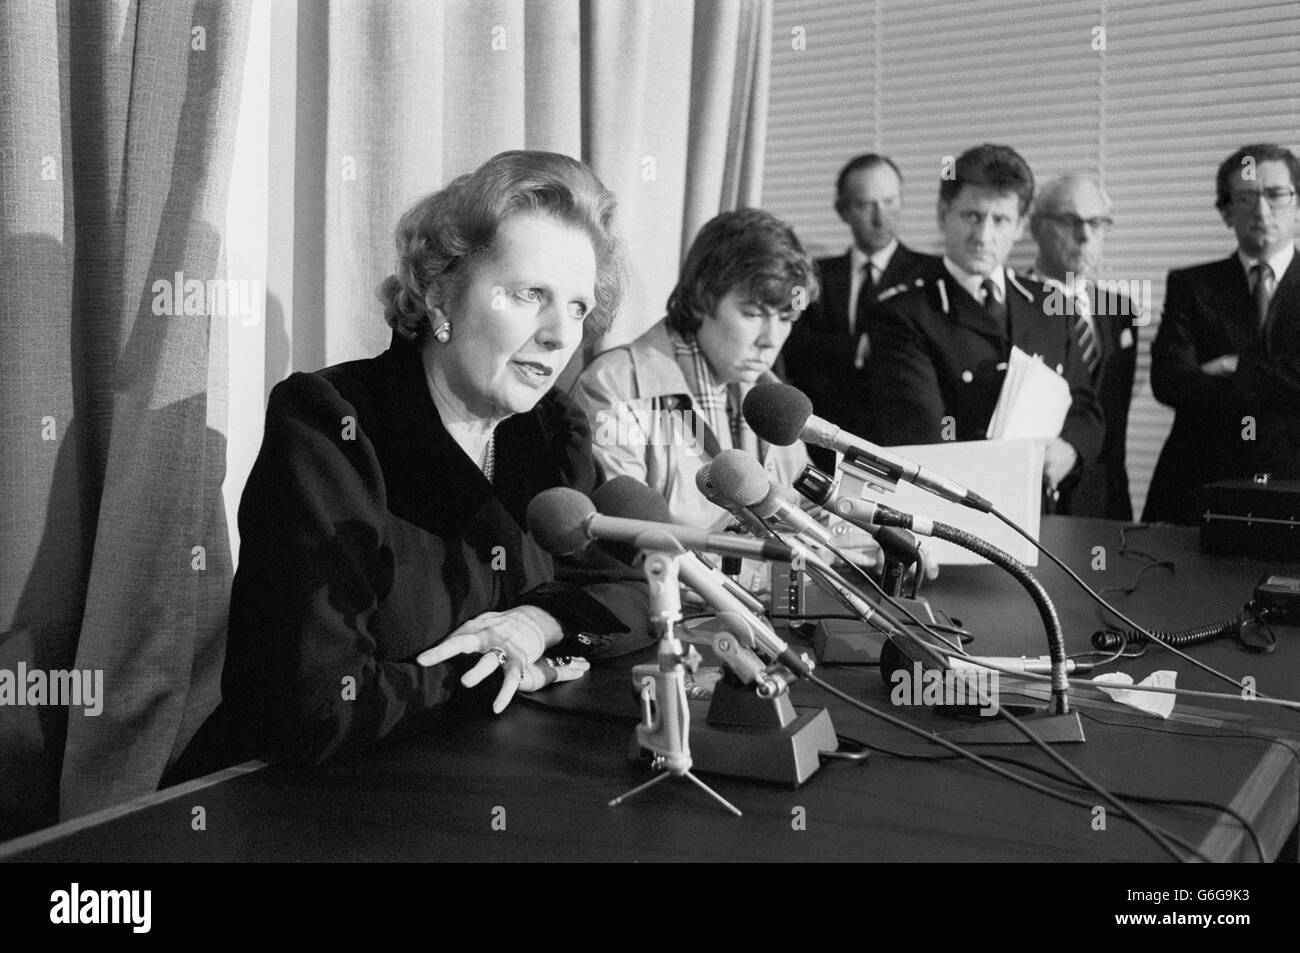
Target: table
(533, 783)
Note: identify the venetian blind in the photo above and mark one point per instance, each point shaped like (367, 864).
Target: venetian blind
(1150, 96)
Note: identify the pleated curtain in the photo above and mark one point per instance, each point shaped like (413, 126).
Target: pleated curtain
(117, 122)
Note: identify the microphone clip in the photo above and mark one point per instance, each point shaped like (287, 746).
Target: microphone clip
(864, 471)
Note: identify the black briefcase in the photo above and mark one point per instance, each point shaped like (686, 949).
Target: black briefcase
(1252, 518)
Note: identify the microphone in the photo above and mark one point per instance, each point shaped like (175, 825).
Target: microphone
(781, 414)
(629, 498)
(879, 520)
(564, 522)
(704, 483)
(741, 479)
(739, 612)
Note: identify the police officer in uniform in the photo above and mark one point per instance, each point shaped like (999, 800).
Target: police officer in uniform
(941, 344)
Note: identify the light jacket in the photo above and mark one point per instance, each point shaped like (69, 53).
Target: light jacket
(644, 424)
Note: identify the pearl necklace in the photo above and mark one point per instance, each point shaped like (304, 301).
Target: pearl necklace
(488, 462)
(490, 457)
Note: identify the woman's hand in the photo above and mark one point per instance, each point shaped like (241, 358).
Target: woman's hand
(513, 640)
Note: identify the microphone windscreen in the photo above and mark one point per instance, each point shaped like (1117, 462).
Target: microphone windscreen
(777, 412)
(739, 477)
(556, 519)
(628, 497)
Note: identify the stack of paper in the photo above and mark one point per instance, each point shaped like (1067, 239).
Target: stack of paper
(1033, 402)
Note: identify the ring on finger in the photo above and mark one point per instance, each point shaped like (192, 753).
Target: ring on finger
(500, 653)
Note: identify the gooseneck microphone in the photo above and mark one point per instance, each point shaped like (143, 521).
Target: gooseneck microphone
(781, 414)
(864, 513)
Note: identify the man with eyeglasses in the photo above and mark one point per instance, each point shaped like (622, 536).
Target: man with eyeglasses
(1227, 355)
(1069, 222)
(942, 344)
(828, 348)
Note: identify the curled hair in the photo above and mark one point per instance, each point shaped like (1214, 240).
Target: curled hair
(444, 233)
(748, 250)
(996, 167)
(1259, 152)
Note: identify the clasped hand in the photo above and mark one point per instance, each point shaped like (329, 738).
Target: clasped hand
(513, 641)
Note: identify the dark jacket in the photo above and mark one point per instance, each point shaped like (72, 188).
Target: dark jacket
(367, 537)
(1100, 488)
(820, 356)
(938, 353)
(1235, 425)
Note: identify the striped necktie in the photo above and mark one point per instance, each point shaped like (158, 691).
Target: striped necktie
(1085, 331)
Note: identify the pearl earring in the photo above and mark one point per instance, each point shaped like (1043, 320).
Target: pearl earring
(443, 334)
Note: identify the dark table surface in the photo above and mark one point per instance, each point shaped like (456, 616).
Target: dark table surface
(533, 783)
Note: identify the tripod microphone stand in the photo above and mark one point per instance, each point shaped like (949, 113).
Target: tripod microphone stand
(666, 717)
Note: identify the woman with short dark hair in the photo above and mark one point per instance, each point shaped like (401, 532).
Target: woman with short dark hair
(666, 404)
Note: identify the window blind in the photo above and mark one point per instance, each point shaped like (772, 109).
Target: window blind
(1149, 96)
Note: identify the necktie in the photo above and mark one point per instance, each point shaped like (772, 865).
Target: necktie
(1085, 332)
(1263, 275)
(866, 293)
(996, 309)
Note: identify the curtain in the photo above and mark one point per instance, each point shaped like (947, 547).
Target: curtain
(116, 121)
(116, 556)
(664, 99)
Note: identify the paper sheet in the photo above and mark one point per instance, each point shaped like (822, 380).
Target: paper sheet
(1033, 402)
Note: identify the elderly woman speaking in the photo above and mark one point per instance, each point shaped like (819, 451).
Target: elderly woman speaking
(383, 522)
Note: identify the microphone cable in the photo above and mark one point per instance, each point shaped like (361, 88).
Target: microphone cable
(1167, 844)
(1100, 600)
(1258, 844)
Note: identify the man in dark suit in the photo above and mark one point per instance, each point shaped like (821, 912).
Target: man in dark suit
(828, 348)
(941, 345)
(1227, 355)
(1070, 219)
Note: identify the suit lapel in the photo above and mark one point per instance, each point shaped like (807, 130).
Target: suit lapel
(1284, 308)
(835, 289)
(1236, 307)
(432, 483)
(900, 265)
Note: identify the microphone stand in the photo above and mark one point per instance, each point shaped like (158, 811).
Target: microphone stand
(1058, 723)
(666, 716)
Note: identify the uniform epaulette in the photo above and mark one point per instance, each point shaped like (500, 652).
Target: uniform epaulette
(1011, 277)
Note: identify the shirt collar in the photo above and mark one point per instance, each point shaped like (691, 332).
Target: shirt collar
(972, 282)
(880, 259)
(1279, 262)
